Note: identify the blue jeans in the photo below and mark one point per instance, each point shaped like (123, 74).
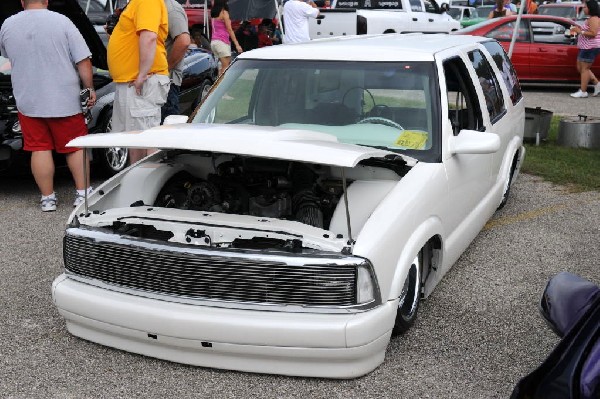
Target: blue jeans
(171, 107)
(588, 55)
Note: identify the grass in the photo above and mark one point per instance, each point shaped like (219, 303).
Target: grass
(577, 168)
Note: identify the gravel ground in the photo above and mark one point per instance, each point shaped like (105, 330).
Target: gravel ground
(556, 98)
(477, 334)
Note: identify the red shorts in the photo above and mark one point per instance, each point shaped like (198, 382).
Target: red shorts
(43, 134)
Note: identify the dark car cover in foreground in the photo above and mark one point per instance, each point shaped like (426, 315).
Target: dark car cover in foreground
(571, 306)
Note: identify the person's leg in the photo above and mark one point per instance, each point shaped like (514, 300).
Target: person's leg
(583, 69)
(64, 130)
(225, 61)
(146, 113)
(42, 168)
(585, 76)
(38, 139)
(592, 77)
(171, 107)
(80, 173)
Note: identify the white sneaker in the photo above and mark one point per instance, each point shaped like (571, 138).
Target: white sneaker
(596, 89)
(48, 204)
(80, 197)
(579, 94)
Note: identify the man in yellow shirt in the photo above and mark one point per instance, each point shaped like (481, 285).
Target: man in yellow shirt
(137, 62)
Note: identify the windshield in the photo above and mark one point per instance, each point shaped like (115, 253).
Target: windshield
(566, 12)
(454, 13)
(484, 11)
(386, 105)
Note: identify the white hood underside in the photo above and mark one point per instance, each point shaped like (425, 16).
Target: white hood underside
(260, 141)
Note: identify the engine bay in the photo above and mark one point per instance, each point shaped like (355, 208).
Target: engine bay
(257, 187)
(231, 201)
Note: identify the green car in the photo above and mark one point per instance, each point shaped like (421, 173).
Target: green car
(468, 16)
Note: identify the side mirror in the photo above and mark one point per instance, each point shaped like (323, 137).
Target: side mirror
(175, 119)
(474, 142)
(566, 299)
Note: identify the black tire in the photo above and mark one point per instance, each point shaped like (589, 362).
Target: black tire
(410, 298)
(112, 160)
(204, 89)
(508, 184)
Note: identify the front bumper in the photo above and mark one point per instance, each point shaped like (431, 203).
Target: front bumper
(300, 344)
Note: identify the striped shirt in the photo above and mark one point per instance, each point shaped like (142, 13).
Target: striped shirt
(585, 42)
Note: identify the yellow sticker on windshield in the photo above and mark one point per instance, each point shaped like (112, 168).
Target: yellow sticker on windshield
(413, 139)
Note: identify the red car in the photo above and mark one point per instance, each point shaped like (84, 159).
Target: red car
(544, 51)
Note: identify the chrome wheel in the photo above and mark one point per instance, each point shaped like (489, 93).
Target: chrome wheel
(205, 89)
(116, 158)
(410, 297)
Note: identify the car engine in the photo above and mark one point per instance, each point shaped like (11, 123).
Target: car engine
(258, 187)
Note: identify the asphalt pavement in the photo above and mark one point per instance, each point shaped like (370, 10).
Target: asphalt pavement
(476, 335)
(556, 98)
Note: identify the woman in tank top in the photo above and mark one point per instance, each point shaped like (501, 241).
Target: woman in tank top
(220, 43)
(588, 43)
(499, 11)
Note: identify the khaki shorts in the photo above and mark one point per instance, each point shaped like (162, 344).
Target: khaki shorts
(220, 49)
(133, 112)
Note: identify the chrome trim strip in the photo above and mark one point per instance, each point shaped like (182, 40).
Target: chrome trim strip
(226, 304)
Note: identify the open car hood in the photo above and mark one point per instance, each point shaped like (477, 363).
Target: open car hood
(72, 10)
(261, 141)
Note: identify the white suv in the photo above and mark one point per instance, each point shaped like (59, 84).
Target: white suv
(320, 192)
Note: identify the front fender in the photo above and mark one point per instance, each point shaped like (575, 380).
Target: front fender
(423, 233)
(512, 150)
(97, 110)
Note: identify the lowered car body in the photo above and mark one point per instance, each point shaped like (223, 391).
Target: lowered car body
(319, 192)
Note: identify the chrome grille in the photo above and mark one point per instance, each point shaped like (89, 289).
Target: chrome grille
(194, 272)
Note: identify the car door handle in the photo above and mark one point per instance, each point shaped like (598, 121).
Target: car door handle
(542, 50)
(430, 20)
(415, 19)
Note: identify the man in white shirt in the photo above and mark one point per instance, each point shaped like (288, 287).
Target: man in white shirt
(295, 20)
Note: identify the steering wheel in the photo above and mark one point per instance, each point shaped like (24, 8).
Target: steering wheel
(358, 88)
(381, 121)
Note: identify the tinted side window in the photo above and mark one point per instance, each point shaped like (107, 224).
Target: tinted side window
(550, 32)
(491, 88)
(431, 6)
(463, 105)
(504, 32)
(415, 5)
(506, 69)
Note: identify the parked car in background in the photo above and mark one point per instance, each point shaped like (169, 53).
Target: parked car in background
(318, 193)
(571, 307)
(571, 10)
(360, 17)
(199, 73)
(484, 11)
(467, 16)
(544, 50)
